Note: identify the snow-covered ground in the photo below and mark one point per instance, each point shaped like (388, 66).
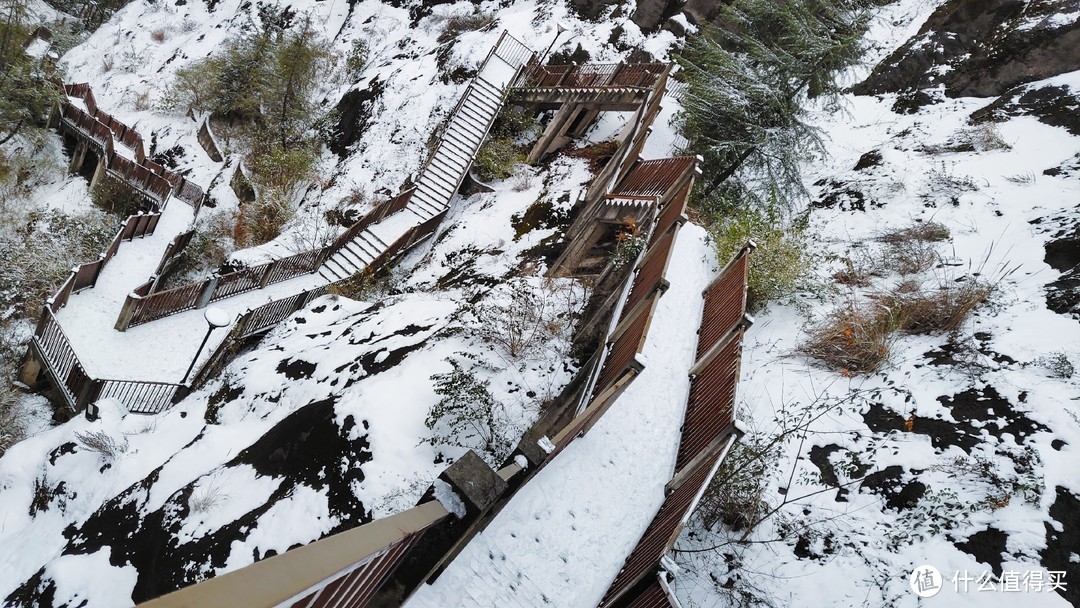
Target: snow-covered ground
(322, 426)
(969, 486)
(563, 537)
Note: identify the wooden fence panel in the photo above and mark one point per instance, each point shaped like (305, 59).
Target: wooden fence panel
(272, 313)
(87, 274)
(240, 281)
(164, 303)
(60, 359)
(293, 266)
(59, 300)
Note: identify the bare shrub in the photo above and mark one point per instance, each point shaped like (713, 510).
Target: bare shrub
(467, 415)
(853, 338)
(523, 318)
(918, 231)
(102, 443)
(911, 256)
(1058, 364)
(459, 24)
(943, 309)
(142, 102)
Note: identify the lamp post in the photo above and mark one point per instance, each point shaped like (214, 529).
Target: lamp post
(215, 318)
(561, 28)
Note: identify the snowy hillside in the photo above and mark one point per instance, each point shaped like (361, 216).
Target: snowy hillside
(958, 451)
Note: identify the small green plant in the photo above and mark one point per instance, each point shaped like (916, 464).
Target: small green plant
(782, 262)
(497, 159)
(467, 415)
(357, 58)
(629, 243)
(117, 197)
(502, 151)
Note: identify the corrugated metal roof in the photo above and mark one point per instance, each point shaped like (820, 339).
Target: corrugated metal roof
(658, 537)
(654, 177)
(652, 596)
(711, 406)
(725, 304)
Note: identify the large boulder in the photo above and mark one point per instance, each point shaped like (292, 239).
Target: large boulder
(983, 48)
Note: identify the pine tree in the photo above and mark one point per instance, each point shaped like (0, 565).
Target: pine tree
(748, 78)
(28, 95)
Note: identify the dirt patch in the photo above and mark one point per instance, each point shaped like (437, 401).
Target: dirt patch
(890, 485)
(974, 412)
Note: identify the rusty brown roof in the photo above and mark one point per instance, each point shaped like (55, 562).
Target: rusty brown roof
(654, 177)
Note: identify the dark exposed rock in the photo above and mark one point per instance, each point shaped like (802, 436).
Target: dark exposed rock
(307, 448)
(984, 48)
(1057, 106)
(868, 160)
(1061, 546)
(986, 546)
(354, 111)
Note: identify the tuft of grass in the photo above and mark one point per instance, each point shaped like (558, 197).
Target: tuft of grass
(852, 339)
(855, 337)
(932, 232)
(459, 24)
(943, 309)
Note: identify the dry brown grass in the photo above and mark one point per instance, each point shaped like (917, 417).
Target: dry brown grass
(855, 338)
(943, 309)
(918, 231)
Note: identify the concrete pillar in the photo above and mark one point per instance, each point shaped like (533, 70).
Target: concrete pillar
(583, 121)
(78, 157)
(99, 172)
(31, 368)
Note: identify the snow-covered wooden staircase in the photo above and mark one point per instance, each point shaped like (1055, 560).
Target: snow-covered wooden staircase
(354, 256)
(444, 171)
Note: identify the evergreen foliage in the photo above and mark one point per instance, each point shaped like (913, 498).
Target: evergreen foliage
(263, 82)
(28, 95)
(748, 77)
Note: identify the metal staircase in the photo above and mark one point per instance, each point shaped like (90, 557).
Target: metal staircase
(447, 166)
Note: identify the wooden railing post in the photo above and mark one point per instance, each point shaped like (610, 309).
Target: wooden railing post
(127, 312)
(207, 292)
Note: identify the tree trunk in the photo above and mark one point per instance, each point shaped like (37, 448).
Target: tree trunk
(728, 171)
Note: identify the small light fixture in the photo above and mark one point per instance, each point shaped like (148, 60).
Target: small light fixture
(215, 318)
